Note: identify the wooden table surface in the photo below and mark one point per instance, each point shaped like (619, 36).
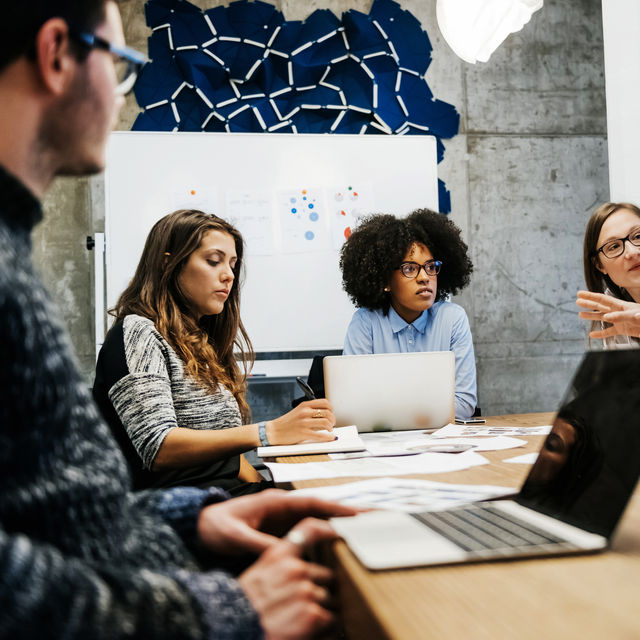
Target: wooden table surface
(589, 596)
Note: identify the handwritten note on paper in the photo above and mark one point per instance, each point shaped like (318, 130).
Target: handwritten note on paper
(303, 220)
(250, 211)
(347, 204)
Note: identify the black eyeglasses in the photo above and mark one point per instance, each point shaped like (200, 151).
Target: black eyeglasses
(128, 62)
(615, 248)
(412, 269)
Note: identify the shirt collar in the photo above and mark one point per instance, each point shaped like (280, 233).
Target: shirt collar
(18, 206)
(398, 324)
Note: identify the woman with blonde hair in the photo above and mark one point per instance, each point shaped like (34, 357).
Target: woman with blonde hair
(168, 378)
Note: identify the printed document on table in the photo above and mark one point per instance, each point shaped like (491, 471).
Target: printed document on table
(468, 431)
(378, 444)
(406, 494)
(388, 466)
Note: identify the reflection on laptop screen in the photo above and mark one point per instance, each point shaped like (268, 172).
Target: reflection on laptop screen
(588, 466)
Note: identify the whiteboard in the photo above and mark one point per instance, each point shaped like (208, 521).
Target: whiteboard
(292, 298)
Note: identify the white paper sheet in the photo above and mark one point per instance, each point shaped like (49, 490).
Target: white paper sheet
(393, 466)
(469, 431)
(417, 441)
(527, 458)
(406, 494)
(250, 212)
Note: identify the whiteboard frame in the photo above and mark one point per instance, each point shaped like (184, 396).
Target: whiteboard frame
(142, 167)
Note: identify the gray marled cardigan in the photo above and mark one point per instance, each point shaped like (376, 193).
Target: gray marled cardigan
(80, 556)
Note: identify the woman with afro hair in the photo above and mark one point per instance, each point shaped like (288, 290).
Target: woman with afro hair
(400, 273)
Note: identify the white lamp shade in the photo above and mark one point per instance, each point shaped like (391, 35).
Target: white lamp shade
(474, 29)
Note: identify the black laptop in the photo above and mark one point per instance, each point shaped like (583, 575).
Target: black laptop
(571, 501)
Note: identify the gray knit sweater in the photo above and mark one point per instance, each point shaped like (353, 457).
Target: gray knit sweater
(143, 392)
(80, 556)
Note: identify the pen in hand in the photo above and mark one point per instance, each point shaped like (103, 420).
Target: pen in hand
(308, 391)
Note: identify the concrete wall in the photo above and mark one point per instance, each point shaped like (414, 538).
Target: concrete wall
(527, 168)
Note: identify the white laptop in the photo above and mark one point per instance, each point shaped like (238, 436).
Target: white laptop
(391, 391)
(571, 501)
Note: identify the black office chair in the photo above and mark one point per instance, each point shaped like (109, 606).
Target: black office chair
(315, 380)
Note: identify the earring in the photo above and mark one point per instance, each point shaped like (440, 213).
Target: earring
(387, 289)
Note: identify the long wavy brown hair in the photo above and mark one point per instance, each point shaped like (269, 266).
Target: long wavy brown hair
(205, 345)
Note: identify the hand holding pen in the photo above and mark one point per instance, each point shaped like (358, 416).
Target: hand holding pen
(306, 389)
(312, 420)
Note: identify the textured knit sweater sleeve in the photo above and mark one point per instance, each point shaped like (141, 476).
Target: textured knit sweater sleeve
(80, 557)
(70, 570)
(143, 397)
(45, 594)
(153, 394)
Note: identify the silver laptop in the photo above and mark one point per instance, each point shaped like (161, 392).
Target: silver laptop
(391, 391)
(571, 501)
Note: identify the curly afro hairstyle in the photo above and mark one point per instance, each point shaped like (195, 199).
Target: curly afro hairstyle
(379, 244)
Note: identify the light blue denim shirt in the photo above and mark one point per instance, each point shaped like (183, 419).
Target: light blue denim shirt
(442, 327)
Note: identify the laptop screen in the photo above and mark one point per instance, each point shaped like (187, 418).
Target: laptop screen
(589, 464)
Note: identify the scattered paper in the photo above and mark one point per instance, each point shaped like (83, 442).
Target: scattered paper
(413, 442)
(389, 466)
(467, 431)
(406, 494)
(527, 458)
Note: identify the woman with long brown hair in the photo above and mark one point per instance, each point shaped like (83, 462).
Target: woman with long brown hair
(168, 379)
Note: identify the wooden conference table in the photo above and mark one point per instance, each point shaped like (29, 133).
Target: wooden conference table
(591, 596)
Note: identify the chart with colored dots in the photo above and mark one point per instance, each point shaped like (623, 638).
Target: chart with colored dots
(347, 205)
(303, 223)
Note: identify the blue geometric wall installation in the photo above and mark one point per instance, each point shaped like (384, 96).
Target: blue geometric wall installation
(245, 68)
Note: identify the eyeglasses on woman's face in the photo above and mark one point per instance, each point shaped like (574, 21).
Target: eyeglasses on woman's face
(411, 270)
(615, 248)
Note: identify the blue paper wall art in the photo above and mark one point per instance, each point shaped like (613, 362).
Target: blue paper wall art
(245, 68)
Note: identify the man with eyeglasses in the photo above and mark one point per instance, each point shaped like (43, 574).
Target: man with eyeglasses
(80, 556)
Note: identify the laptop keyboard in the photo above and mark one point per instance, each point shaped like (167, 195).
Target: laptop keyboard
(480, 528)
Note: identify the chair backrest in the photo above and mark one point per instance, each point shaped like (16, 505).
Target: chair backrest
(315, 380)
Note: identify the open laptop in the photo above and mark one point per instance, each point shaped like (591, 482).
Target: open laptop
(391, 391)
(571, 501)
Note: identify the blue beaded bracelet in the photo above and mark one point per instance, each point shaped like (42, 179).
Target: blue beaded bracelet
(262, 433)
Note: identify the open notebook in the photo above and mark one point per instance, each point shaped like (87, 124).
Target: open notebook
(347, 439)
(571, 501)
